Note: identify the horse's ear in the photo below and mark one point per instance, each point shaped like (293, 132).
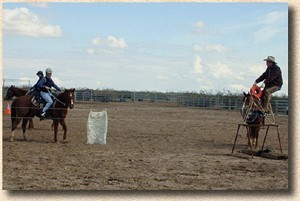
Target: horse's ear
(73, 89)
(245, 94)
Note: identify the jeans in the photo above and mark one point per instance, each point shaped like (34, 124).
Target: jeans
(46, 96)
(267, 96)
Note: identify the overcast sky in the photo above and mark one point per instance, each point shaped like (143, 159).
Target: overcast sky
(145, 46)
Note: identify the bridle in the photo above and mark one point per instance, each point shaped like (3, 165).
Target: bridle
(70, 93)
(251, 106)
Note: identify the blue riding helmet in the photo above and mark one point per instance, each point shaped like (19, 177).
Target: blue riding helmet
(40, 73)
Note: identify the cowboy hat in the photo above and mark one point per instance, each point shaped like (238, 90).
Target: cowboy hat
(270, 58)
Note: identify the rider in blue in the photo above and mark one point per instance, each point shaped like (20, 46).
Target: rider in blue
(40, 74)
(44, 85)
(34, 89)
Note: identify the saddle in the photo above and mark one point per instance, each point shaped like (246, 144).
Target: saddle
(39, 102)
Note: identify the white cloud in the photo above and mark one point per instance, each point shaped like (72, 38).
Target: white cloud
(116, 42)
(57, 81)
(90, 51)
(198, 25)
(22, 21)
(110, 41)
(210, 48)
(275, 17)
(39, 5)
(221, 70)
(257, 69)
(161, 77)
(198, 68)
(109, 51)
(273, 24)
(97, 41)
(265, 34)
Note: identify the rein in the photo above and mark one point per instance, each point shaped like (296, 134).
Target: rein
(252, 104)
(258, 105)
(64, 104)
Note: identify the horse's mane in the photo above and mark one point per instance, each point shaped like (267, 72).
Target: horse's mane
(61, 95)
(17, 88)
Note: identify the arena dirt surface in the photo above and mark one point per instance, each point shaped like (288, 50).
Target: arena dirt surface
(150, 146)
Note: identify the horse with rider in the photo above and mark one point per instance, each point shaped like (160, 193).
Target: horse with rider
(256, 104)
(55, 105)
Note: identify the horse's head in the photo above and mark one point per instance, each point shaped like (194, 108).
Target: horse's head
(9, 93)
(247, 102)
(67, 97)
(250, 102)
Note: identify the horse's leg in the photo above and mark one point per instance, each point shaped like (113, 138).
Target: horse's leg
(24, 124)
(30, 125)
(52, 126)
(254, 129)
(256, 136)
(15, 122)
(55, 124)
(250, 130)
(65, 128)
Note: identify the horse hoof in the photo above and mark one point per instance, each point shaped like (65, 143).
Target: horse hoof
(64, 141)
(11, 140)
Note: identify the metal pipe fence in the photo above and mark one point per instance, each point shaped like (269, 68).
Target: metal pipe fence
(203, 101)
(178, 99)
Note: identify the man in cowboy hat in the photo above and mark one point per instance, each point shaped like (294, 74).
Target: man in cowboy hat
(272, 78)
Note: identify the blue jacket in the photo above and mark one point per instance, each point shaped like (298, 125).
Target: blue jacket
(35, 87)
(45, 81)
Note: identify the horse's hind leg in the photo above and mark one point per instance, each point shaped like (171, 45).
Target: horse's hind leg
(256, 136)
(24, 124)
(15, 122)
(52, 126)
(30, 125)
(250, 135)
(55, 124)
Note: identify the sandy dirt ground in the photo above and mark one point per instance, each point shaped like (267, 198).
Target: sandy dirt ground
(150, 146)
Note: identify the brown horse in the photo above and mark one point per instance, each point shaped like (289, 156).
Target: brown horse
(22, 108)
(253, 116)
(17, 92)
